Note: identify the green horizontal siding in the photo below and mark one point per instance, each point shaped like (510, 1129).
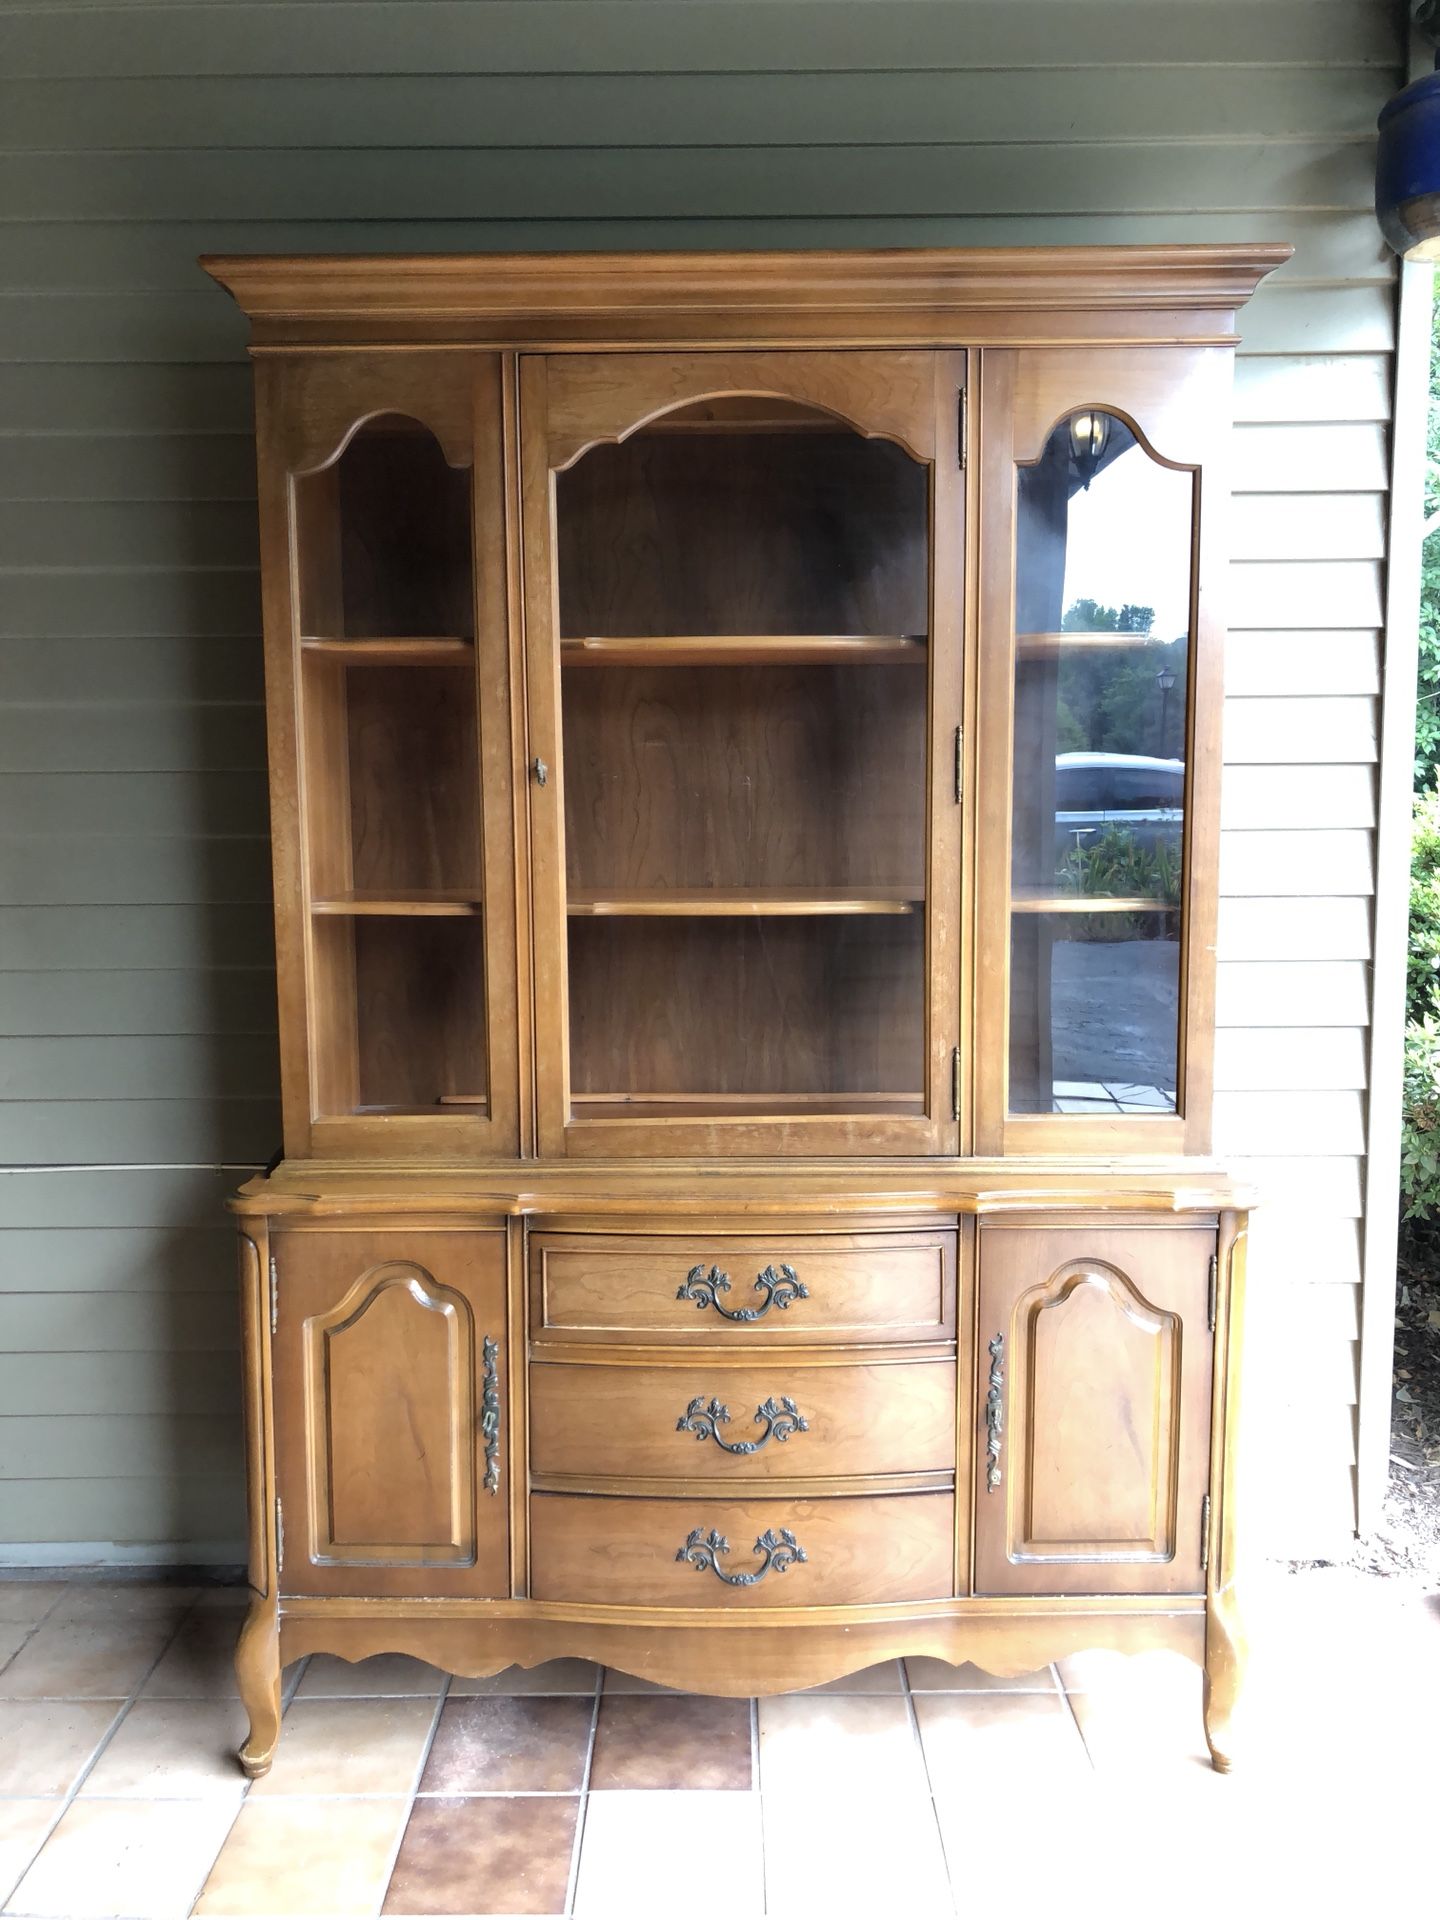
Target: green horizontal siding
(137, 1049)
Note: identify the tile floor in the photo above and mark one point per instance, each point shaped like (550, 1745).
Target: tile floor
(918, 1787)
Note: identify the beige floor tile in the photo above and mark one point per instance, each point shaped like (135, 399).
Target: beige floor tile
(45, 1743)
(1132, 1729)
(551, 1676)
(84, 1660)
(226, 1599)
(645, 1854)
(349, 1746)
(105, 1600)
(1101, 1668)
(198, 1664)
(938, 1676)
(23, 1825)
(172, 1750)
(971, 1739)
(306, 1856)
(816, 1744)
(843, 1856)
(143, 1859)
(885, 1678)
(327, 1677)
(13, 1635)
(28, 1601)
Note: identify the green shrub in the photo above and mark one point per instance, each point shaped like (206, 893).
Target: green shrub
(1420, 1125)
(1117, 863)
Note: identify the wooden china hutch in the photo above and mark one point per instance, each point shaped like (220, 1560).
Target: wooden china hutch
(744, 758)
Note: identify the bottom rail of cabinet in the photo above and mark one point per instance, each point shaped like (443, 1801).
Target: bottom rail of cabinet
(729, 1656)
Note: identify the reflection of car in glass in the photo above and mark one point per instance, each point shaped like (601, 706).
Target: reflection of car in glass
(1098, 790)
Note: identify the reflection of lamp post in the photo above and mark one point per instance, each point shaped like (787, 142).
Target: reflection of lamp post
(1165, 680)
(1089, 433)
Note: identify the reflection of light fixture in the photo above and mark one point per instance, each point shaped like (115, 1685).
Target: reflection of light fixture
(1165, 681)
(1089, 435)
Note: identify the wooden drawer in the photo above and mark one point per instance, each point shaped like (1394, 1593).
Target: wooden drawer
(609, 1550)
(785, 1421)
(747, 1289)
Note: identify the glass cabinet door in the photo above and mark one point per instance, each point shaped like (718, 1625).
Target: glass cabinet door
(398, 636)
(741, 664)
(1101, 643)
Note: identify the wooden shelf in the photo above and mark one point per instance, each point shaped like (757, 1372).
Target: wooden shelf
(745, 649)
(739, 1106)
(1033, 643)
(432, 902)
(1090, 903)
(401, 651)
(715, 902)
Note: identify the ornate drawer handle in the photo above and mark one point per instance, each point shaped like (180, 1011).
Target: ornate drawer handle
(779, 1285)
(490, 1412)
(779, 1549)
(995, 1413)
(780, 1417)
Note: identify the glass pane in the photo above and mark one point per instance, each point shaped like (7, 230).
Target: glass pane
(392, 782)
(744, 612)
(1102, 597)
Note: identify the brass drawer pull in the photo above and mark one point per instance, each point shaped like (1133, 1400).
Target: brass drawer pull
(995, 1413)
(779, 1285)
(779, 1549)
(780, 1418)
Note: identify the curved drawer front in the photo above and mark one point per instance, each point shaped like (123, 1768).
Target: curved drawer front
(706, 1421)
(618, 1551)
(743, 1288)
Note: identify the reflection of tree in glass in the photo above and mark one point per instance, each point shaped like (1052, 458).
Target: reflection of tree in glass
(1109, 699)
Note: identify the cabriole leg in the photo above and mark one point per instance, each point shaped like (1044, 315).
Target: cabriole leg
(1225, 1655)
(257, 1666)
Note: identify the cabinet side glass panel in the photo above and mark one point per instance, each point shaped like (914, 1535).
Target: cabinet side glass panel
(744, 593)
(1103, 601)
(395, 869)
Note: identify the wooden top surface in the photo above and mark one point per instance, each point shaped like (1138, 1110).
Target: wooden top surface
(935, 295)
(811, 1190)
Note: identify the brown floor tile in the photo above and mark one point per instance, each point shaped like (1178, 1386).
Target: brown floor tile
(551, 1676)
(28, 1601)
(143, 1859)
(632, 1683)
(305, 1856)
(491, 1854)
(679, 1741)
(975, 1741)
(813, 1744)
(44, 1744)
(84, 1659)
(497, 1743)
(886, 1678)
(23, 1825)
(348, 1746)
(651, 1856)
(327, 1677)
(172, 1750)
(938, 1676)
(198, 1664)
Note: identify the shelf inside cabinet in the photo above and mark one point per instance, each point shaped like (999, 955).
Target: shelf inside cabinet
(745, 649)
(1090, 903)
(432, 901)
(399, 651)
(739, 1106)
(728, 902)
(1039, 643)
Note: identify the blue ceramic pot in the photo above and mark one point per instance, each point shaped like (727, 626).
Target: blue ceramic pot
(1407, 170)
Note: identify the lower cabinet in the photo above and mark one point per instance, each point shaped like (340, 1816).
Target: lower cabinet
(1093, 1429)
(389, 1389)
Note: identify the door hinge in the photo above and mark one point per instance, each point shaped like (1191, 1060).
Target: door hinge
(962, 428)
(955, 1083)
(959, 764)
(279, 1536)
(1205, 1534)
(274, 1294)
(1214, 1296)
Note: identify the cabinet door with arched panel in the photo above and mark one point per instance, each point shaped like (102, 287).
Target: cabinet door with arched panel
(1100, 724)
(390, 1394)
(1094, 1408)
(382, 485)
(744, 612)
